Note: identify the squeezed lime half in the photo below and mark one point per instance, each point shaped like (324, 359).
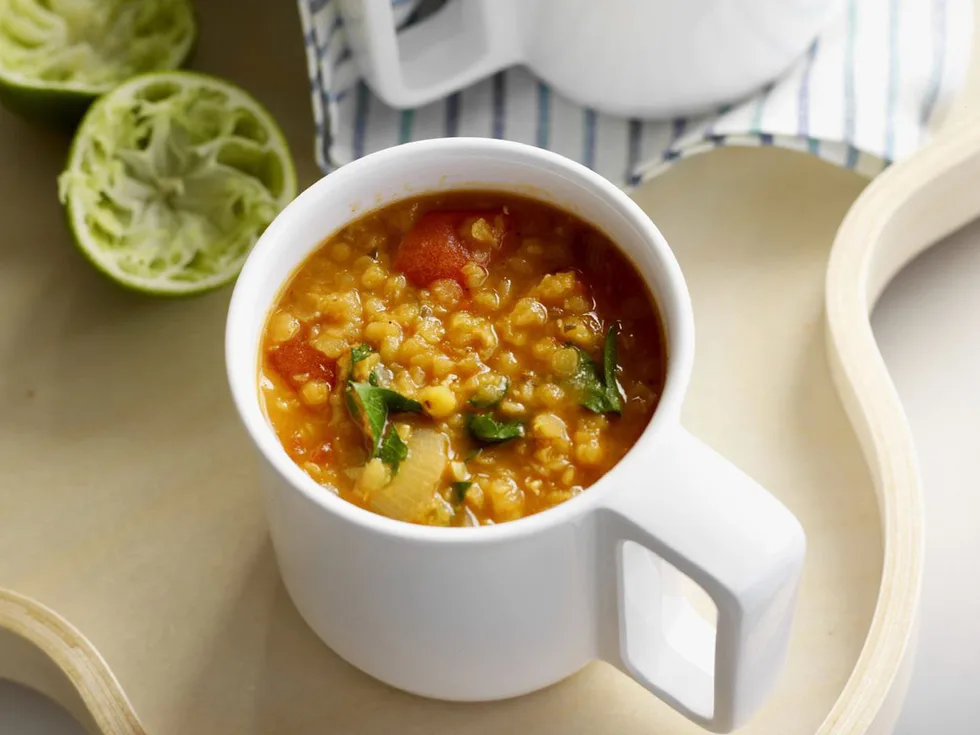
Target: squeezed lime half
(56, 56)
(171, 179)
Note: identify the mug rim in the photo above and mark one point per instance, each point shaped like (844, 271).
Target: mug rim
(243, 374)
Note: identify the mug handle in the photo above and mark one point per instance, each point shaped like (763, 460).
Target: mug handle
(739, 544)
(461, 43)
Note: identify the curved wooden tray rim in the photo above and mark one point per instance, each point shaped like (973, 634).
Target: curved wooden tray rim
(911, 207)
(870, 248)
(76, 657)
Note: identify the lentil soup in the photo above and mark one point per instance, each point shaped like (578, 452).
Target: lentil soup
(462, 359)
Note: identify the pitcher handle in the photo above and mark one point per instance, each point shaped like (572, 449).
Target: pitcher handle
(463, 42)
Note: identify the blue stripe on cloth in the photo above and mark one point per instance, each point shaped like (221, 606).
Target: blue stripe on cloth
(320, 111)
(326, 143)
(760, 109)
(716, 139)
(938, 59)
(405, 126)
(452, 115)
(499, 105)
(361, 104)
(633, 146)
(893, 72)
(543, 134)
(323, 127)
(317, 5)
(803, 105)
(339, 95)
(723, 110)
(677, 128)
(850, 102)
(709, 131)
(588, 138)
(324, 50)
(803, 101)
(335, 26)
(765, 139)
(309, 38)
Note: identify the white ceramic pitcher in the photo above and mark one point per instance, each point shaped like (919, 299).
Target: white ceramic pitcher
(638, 58)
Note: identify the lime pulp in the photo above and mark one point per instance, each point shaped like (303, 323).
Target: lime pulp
(171, 179)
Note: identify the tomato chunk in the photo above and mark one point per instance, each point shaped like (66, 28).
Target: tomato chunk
(432, 250)
(296, 358)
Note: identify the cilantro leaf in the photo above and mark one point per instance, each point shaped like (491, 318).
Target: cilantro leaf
(586, 379)
(486, 429)
(360, 352)
(460, 488)
(393, 450)
(369, 412)
(397, 403)
(369, 406)
(614, 393)
(600, 395)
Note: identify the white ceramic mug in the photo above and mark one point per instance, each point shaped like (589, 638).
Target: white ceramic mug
(492, 612)
(638, 58)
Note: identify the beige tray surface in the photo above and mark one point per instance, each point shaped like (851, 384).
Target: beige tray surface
(128, 502)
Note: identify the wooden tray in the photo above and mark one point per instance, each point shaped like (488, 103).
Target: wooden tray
(129, 506)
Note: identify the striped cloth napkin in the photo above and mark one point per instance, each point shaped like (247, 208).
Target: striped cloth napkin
(867, 92)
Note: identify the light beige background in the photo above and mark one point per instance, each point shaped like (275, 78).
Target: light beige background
(759, 203)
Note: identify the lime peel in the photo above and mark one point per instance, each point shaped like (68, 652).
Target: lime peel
(171, 179)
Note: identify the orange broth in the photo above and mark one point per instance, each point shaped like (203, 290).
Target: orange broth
(474, 326)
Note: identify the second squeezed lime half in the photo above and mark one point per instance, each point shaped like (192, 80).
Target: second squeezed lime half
(56, 56)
